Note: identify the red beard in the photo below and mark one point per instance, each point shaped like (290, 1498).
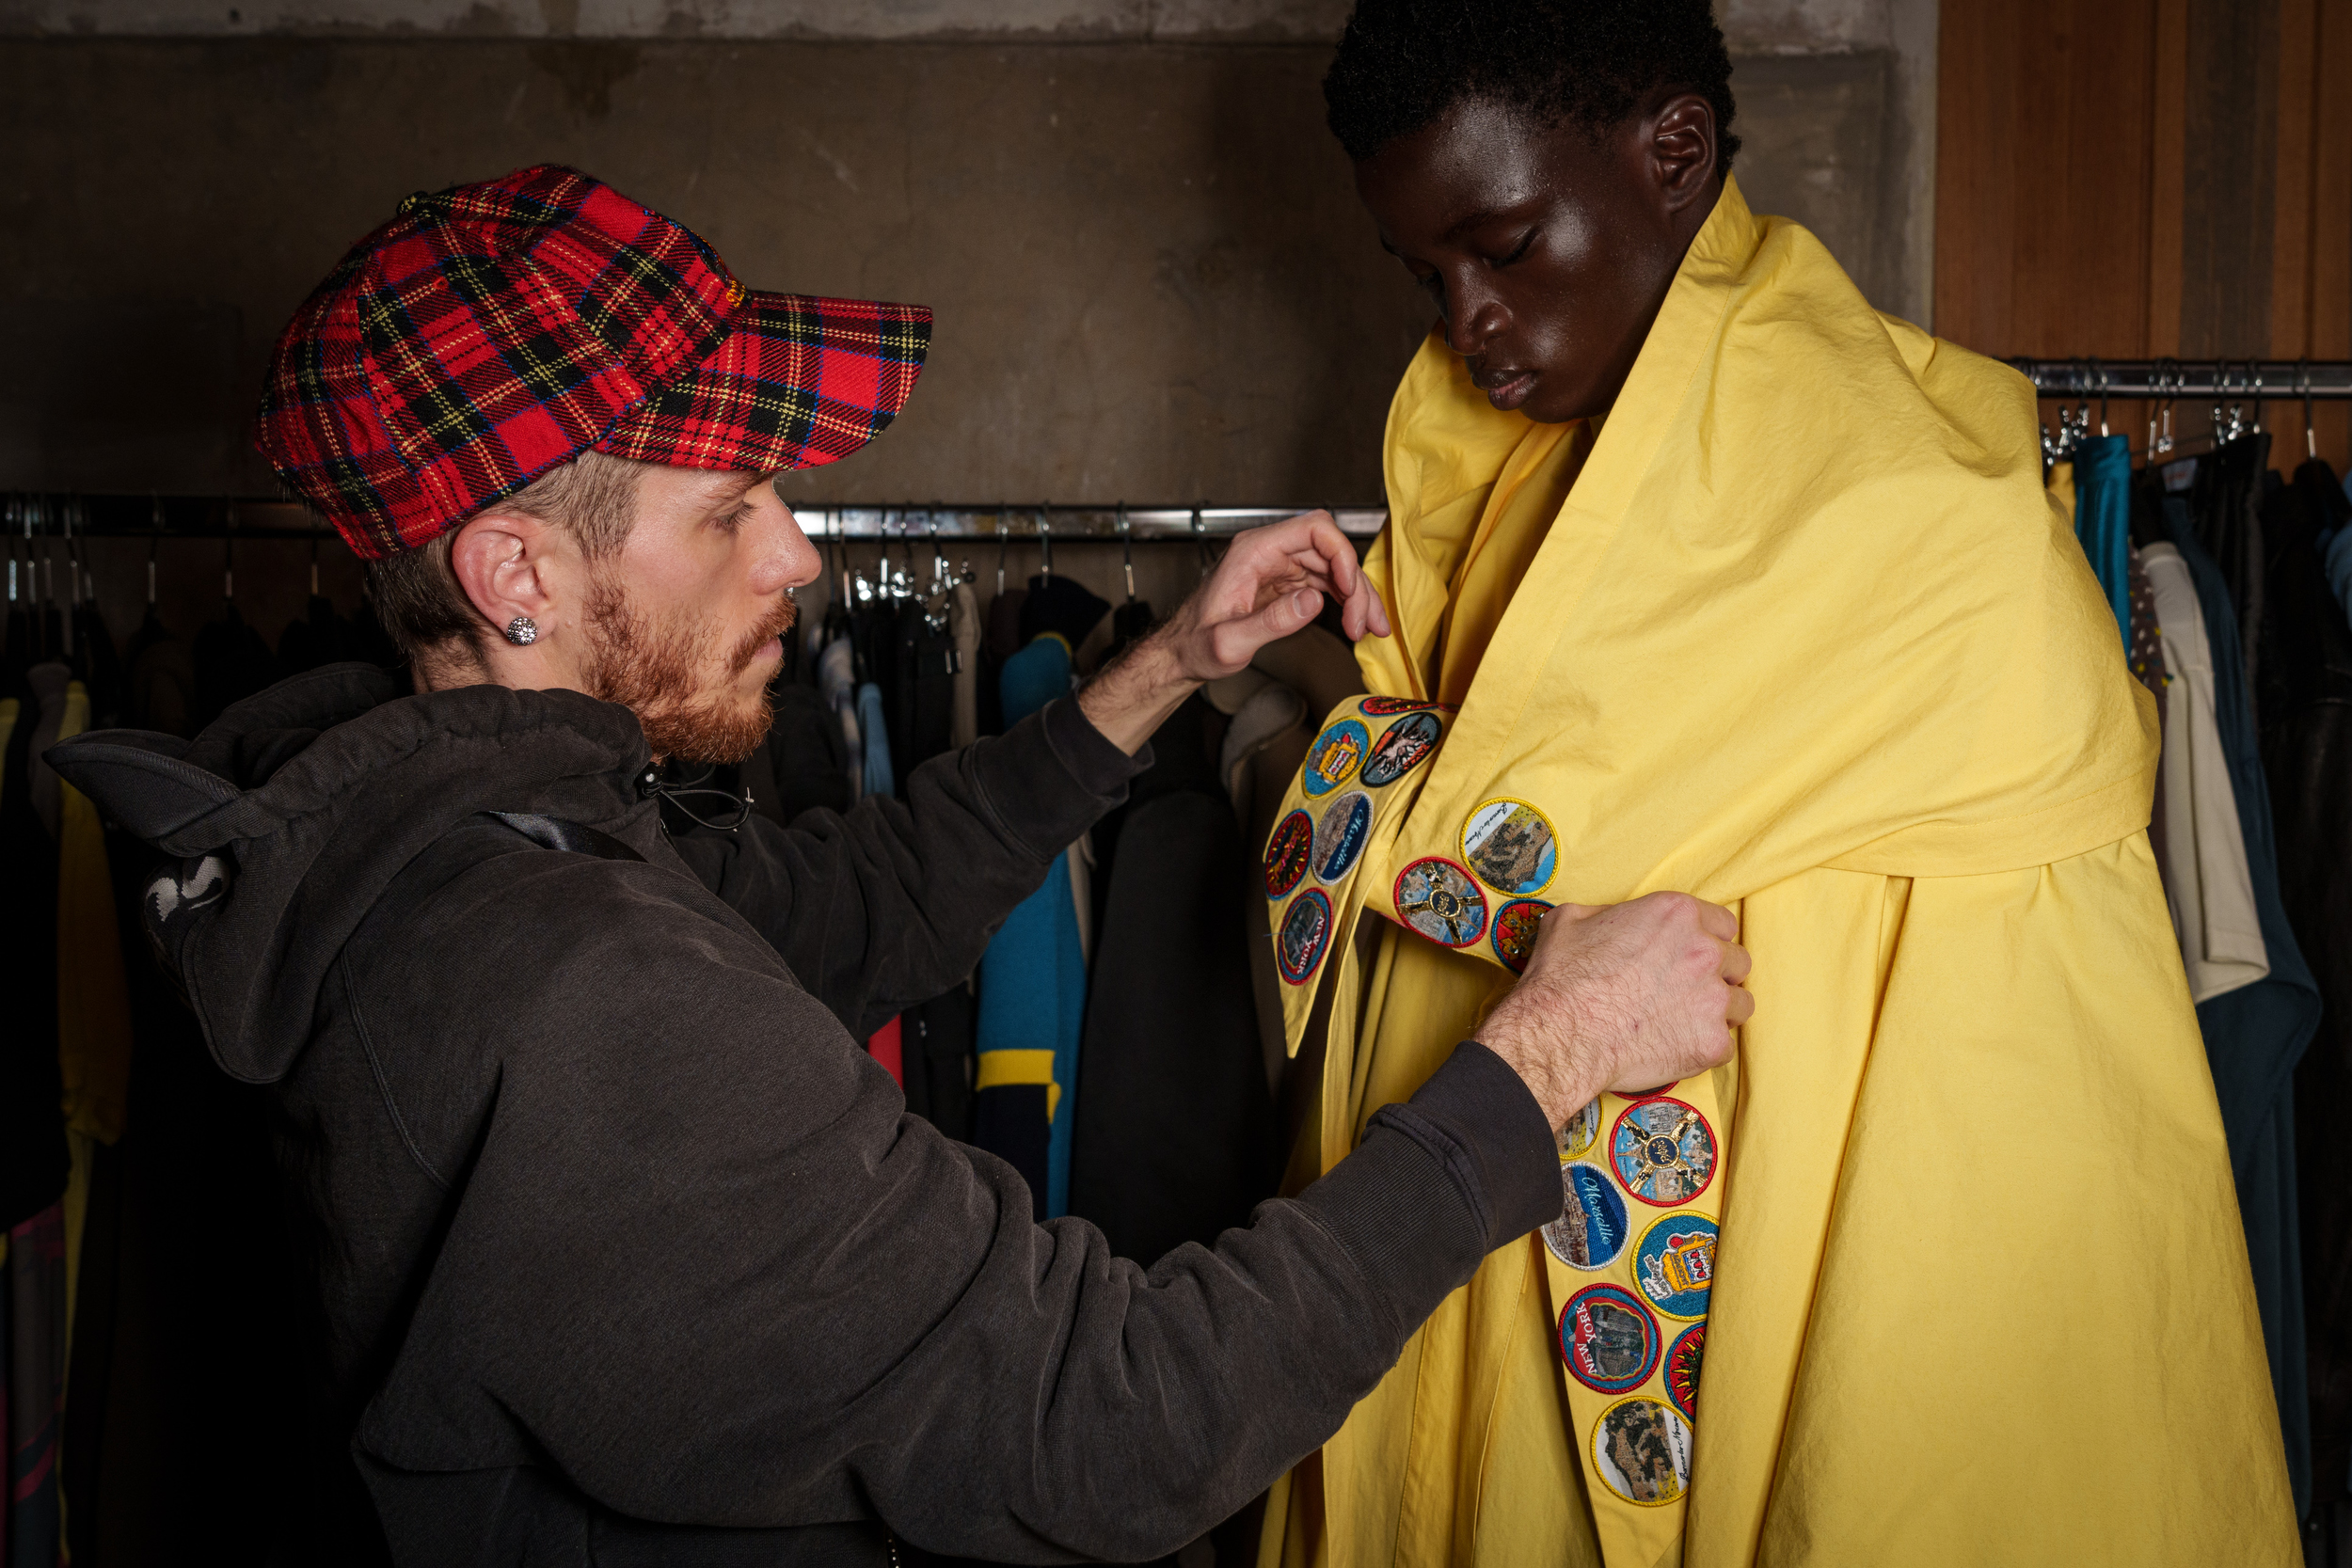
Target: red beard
(655, 669)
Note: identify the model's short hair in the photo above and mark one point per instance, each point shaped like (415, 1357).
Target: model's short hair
(1402, 63)
(416, 593)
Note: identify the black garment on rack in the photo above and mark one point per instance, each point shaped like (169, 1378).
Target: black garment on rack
(1174, 1136)
(97, 666)
(803, 763)
(920, 698)
(159, 680)
(231, 664)
(1063, 606)
(319, 636)
(2225, 502)
(936, 1040)
(2256, 1034)
(2307, 750)
(33, 1156)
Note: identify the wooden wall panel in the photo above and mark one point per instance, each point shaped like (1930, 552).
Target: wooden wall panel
(2125, 179)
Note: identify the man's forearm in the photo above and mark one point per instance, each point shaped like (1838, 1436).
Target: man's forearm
(1136, 693)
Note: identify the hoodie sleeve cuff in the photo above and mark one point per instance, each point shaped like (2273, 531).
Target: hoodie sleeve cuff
(1466, 1166)
(1051, 776)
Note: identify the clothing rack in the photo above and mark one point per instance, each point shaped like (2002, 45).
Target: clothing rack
(2255, 380)
(116, 516)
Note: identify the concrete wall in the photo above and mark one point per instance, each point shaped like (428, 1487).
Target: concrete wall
(1152, 280)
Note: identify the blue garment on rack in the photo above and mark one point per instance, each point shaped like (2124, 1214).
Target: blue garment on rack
(2255, 1036)
(2103, 519)
(874, 726)
(1033, 990)
(2339, 564)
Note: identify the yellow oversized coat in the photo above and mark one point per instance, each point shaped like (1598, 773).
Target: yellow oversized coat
(1796, 630)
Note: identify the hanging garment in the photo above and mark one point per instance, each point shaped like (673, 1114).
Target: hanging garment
(319, 636)
(33, 1157)
(34, 1350)
(837, 683)
(2307, 661)
(963, 636)
(876, 775)
(2225, 499)
(2255, 1035)
(97, 666)
(2207, 877)
(938, 1061)
(2103, 519)
(2145, 656)
(1000, 639)
(1835, 661)
(801, 764)
(1033, 991)
(1172, 1139)
(921, 698)
(231, 664)
(159, 680)
(2339, 566)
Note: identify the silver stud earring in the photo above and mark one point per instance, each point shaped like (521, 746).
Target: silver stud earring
(522, 631)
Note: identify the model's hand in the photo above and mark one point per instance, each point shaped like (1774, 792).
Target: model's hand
(1624, 997)
(1270, 584)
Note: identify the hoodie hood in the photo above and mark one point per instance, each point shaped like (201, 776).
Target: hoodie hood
(284, 821)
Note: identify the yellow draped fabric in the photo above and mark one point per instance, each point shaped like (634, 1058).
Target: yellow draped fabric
(1804, 635)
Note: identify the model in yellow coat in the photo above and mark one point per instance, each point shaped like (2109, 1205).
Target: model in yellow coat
(1744, 589)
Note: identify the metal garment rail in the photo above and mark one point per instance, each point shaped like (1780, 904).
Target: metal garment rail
(2244, 380)
(141, 517)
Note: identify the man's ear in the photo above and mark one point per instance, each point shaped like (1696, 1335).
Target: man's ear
(1682, 149)
(502, 563)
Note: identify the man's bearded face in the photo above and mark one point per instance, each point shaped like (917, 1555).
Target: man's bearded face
(688, 681)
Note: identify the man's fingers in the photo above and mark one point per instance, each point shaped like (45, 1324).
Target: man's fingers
(1736, 963)
(1717, 921)
(1739, 1007)
(1234, 643)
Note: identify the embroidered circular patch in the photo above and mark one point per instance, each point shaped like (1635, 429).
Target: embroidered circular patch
(1401, 748)
(1286, 853)
(1340, 837)
(1576, 1138)
(1306, 933)
(1334, 757)
(1509, 843)
(1663, 1150)
(1437, 899)
(1516, 924)
(1682, 1369)
(1641, 1452)
(1380, 707)
(1608, 1339)
(1673, 1263)
(1591, 1230)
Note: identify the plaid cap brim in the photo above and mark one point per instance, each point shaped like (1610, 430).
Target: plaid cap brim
(798, 382)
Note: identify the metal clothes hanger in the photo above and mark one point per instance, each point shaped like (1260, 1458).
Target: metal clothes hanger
(1045, 540)
(1127, 551)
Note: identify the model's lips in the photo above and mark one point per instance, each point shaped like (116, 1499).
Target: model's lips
(1505, 389)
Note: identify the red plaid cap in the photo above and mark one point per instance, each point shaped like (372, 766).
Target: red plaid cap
(490, 332)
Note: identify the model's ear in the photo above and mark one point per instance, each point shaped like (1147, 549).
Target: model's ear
(1681, 136)
(503, 564)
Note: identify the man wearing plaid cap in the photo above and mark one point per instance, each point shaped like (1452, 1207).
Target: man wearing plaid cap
(627, 1252)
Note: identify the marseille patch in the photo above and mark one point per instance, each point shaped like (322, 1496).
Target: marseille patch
(1674, 1264)
(1437, 899)
(1608, 1339)
(1663, 1150)
(1509, 843)
(1576, 1138)
(1341, 836)
(1591, 1228)
(1682, 1371)
(1306, 933)
(1380, 707)
(1401, 748)
(1516, 924)
(1641, 1452)
(1335, 756)
(1287, 852)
